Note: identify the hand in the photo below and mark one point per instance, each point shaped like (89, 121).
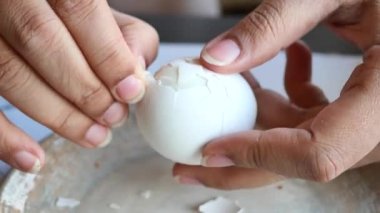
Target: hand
(306, 136)
(70, 65)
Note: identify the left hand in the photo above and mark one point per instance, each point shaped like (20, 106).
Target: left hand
(66, 64)
(298, 143)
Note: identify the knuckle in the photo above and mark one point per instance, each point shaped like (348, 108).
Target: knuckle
(12, 75)
(364, 79)
(78, 8)
(112, 57)
(372, 55)
(322, 164)
(264, 21)
(66, 122)
(254, 155)
(36, 29)
(94, 100)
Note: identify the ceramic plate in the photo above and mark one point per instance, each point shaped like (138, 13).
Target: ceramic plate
(128, 176)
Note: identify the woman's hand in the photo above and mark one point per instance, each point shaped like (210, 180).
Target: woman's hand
(305, 137)
(72, 66)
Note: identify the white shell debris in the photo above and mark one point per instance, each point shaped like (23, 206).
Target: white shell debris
(17, 192)
(146, 194)
(114, 206)
(63, 202)
(220, 205)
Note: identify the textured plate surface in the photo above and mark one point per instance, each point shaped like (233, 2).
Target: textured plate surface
(128, 176)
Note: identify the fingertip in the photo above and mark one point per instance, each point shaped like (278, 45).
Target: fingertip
(179, 169)
(298, 47)
(175, 169)
(251, 80)
(221, 52)
(217, 161)
(132, 89)
(115, 115)
(187, 180)
(24, 153)
(97, 136)
(26, 161)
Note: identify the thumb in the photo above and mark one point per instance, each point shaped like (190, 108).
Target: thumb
(275, 24)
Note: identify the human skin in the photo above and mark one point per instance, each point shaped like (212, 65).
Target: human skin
(72, 65)
(303, 136)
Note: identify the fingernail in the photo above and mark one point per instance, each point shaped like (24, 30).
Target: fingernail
(187, 180)
(98, 136)
(131, 89)
(27, 162)
(221, 53)
(217, 161)
(115, 115)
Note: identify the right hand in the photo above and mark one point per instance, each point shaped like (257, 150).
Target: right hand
(72, 66)
(306, 137)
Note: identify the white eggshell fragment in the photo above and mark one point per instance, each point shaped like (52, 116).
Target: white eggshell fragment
(220, 205)
(186, 106)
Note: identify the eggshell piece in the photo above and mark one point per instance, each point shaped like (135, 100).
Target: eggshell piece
(186, 106)
(220, 205)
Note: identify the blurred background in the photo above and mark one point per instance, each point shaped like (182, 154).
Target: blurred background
(200, 20)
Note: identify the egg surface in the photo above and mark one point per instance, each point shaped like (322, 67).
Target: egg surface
(185, 106)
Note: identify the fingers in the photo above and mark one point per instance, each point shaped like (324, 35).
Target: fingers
(336, 139)
(276, 111)
(38, 35)
(298, 78)
(273, 109)
(106, 51)
(141, 38)
(24, 89)
(263, 33)
(19, 150)
(230, 178)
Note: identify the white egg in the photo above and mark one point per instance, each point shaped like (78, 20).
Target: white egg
(186, 106)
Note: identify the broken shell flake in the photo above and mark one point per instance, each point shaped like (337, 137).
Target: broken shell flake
(63, 202)
(114, 206)
(146, 194)
(220, 205)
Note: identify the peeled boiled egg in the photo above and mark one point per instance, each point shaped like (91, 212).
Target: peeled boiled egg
(186, 105)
